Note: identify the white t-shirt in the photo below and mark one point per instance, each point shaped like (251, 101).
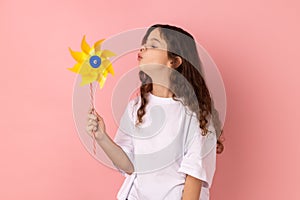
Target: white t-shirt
(167, 146)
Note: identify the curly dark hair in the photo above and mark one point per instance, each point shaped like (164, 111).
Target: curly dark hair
(192, 88)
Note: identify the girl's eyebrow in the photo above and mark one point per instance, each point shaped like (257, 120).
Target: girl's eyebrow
(155, 39)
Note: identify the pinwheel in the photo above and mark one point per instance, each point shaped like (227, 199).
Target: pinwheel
(93, 64)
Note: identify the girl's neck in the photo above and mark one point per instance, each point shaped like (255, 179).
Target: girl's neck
(161, 91)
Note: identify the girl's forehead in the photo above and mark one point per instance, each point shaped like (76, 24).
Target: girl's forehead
(155, 36)
(155, 33)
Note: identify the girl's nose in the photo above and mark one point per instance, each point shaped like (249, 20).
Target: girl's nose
(143, 48)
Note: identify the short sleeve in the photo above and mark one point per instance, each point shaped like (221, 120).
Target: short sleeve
(199, 159)
(124, 134)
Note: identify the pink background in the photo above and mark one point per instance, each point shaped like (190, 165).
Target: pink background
(254, 43)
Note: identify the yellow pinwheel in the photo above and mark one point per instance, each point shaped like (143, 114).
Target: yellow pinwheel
(92, 63)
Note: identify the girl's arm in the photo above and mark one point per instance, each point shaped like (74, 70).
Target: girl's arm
(116, 154)
(192, 188)
(112, 150)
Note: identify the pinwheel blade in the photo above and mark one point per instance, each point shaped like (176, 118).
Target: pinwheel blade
(102, 81)
(88, 78)
(78, 56)
(97, 45)
(85, 46)
(75, 68)
(107, 54)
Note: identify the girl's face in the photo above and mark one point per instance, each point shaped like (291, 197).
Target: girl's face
(154, 51)
(153, 59)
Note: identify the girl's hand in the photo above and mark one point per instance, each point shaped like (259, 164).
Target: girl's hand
(95, 124)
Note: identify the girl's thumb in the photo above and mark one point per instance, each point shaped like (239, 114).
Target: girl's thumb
(91, 110)
(97, 115)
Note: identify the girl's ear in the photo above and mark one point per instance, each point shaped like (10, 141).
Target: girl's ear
(176, 62)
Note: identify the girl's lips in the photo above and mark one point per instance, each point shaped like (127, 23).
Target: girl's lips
(139, 58)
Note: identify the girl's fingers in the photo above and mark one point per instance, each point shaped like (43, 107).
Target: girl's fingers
(91, 128)
(98, 116)
(92, 116)
(95, 117)
(92, 122)
(91, 110)
(96, 113)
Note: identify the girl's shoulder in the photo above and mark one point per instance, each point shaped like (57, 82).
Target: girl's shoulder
(195, 120)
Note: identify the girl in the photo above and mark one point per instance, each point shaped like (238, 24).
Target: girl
(166, 143)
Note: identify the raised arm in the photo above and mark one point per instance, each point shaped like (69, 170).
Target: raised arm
(112, 150)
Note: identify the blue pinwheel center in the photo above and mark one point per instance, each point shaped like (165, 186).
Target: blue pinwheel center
(95, 61)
